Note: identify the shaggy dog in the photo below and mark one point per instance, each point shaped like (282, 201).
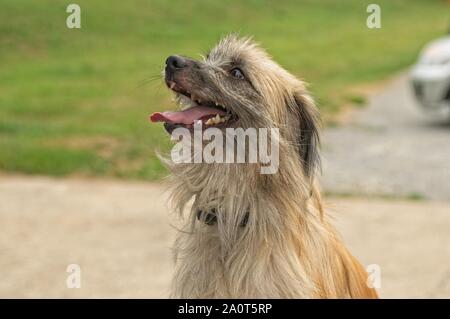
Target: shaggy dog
(247, 234)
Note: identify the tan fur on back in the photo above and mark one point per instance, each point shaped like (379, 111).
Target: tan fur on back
(288, 249)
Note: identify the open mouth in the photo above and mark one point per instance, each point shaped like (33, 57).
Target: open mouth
(194, 110)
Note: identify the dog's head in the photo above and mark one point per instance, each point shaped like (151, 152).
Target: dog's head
(237, 84)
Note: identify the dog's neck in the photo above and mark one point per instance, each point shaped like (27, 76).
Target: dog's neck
(277, 208)
(234, 193)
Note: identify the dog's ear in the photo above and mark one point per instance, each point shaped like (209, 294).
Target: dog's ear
(308, 135)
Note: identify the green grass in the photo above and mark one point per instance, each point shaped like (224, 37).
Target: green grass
(356, 100)
(74, 102)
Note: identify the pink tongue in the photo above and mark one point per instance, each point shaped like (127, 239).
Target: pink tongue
(187, 116)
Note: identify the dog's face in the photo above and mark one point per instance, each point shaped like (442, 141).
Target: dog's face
(239, 85)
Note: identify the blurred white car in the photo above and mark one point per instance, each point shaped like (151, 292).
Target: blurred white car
(431, 75)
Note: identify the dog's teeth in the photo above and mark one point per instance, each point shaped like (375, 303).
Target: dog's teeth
(217, 104)
(172, 85)
(216, 120)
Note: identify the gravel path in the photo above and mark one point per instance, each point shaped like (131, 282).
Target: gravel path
(389, 148)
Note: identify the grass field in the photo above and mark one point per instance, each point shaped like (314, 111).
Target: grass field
(77, 101)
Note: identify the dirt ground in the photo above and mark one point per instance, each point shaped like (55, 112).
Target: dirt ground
(120, 235)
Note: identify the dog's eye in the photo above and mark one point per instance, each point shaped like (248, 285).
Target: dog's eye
(237, 73)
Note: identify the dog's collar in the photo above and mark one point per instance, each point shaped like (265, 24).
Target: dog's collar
(210, 217)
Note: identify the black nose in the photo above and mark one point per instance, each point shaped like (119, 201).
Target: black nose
(175, 62)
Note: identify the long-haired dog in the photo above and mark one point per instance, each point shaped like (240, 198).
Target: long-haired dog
(247, 234)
